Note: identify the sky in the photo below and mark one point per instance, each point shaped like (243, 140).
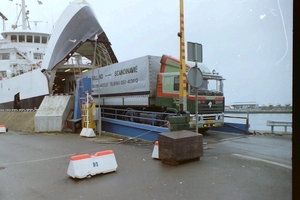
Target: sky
(249, 42)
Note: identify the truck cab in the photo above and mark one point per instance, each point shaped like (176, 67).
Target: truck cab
(211, 101)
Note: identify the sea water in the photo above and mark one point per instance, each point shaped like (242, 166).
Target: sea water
(258, 121)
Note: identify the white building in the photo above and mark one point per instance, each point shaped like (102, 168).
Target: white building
(245, 105)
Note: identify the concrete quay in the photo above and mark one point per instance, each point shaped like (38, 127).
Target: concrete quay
(34, 166)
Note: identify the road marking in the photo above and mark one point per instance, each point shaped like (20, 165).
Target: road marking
(263, 160)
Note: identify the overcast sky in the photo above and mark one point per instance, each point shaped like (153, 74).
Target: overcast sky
(249, 42)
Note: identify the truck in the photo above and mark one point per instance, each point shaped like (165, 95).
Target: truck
(151, 83)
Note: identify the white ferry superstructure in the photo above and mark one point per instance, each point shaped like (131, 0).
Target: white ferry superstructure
(34, 64)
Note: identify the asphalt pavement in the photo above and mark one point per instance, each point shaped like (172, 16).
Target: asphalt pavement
(34, 166)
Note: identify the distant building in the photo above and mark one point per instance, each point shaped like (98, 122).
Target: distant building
(227, 107)
(245, 105)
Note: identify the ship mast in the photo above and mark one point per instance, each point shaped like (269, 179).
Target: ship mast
(23, 16)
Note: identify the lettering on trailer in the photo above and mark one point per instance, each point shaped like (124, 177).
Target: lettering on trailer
(121, 77)
(129, 70)
(116, 83)
(97, 77)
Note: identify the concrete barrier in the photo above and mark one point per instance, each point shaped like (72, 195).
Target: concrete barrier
(82, 166)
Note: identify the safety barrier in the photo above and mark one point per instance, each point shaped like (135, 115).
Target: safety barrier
(155, 151)
(87, 132)
(85, 165)
(279, 123)
(2, 128)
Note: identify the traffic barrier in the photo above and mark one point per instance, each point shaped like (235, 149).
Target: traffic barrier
(2, 128)
(87, 132)
(155, 151)
(85, 165)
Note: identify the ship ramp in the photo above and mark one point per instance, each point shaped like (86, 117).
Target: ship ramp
(53, 113)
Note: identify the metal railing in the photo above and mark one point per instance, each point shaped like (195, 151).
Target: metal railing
(139, 116)
(279, 123)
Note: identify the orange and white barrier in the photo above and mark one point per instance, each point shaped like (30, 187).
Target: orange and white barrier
(85, 165)
(155, 151)
(87, 132)
(2, 128)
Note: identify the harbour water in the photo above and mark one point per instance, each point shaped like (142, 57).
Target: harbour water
(258, 121)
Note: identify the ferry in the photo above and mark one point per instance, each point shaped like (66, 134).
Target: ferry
(34, 64)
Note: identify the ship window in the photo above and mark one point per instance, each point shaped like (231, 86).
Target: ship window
(14, 38)
(4, 56)
(29, 38)
(37, 39)
(38, 56)
(3, 74)
(21, 38)
(44, 40)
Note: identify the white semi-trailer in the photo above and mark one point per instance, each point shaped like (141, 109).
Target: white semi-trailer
(151, 83)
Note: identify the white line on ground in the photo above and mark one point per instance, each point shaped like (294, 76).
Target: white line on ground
(37, 160)
(263, 160)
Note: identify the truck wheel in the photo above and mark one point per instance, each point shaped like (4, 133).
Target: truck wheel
(202, 130)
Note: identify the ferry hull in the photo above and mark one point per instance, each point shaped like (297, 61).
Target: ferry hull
(30, 103)
(25, 91)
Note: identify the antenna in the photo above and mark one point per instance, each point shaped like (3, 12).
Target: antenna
(4, 19)
(24, 15)
(35, 23)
